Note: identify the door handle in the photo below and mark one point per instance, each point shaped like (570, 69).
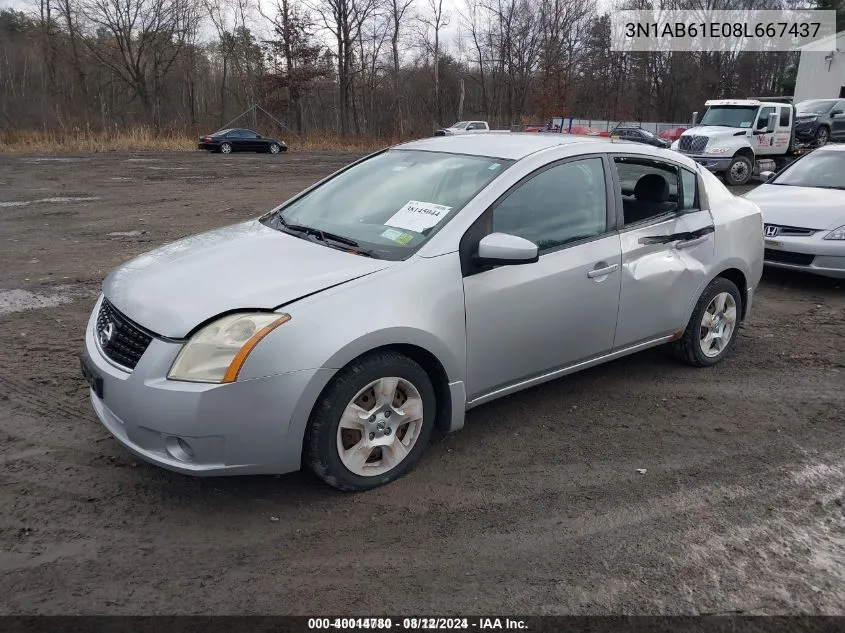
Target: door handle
(690, 243)
(601, 272)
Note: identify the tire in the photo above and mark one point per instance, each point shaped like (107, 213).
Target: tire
(822, 136)
(373, 455)
(274, 148)
(690, 348)
(739, 171)
(226, 148)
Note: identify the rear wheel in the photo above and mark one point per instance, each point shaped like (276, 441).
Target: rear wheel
(372, 423)
(739, 171)
(226, 148)
(711, 331)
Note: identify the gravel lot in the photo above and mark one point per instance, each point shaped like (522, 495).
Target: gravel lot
(537, 506)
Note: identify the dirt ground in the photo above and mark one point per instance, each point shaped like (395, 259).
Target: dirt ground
(536, 507)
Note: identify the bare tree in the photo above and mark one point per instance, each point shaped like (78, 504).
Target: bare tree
(138, 41)
(432, 23)
(398, 10)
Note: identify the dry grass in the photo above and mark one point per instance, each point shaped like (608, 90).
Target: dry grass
(146, 140)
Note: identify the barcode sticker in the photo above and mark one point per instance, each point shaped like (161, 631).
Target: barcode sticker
(418, 216)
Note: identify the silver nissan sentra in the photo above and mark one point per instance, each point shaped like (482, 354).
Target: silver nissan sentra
(343, 326)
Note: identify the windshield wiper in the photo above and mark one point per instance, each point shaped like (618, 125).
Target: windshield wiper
(840, 187)
(325, 236)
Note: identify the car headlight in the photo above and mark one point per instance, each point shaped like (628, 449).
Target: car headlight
(217, 352)
(836, 234)
(718, 150)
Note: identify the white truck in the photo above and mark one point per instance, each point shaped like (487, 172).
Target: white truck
(464, 127)
(741, 138)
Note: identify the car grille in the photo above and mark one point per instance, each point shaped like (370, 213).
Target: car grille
(120, 339)
(792, 231)
(786, 257)
(692, 143)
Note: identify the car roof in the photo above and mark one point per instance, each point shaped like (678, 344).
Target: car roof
(830, 148)
(518, 145)
(507, 145)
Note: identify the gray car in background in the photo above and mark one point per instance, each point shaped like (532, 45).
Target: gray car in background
(342, 327)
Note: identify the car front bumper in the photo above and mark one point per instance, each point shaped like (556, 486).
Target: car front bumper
(711, 163)
(807, 254)
(247, 427)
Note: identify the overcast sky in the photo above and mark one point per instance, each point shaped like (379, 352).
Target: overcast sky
(449, 34)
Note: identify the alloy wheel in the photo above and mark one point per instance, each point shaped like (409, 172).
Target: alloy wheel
(718, 324)
(380, 426)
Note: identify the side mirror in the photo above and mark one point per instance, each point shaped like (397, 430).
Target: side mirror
(766, 176)
(772, 123)
(694, 119)
(503, 249)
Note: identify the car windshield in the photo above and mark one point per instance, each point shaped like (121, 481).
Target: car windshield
(221, 132)
(730, 116)
(814, 107)
(647, 133)
(823, 169)
(392, 203)
(460, 125)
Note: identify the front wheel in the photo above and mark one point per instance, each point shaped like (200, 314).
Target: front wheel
(739, 171)
(274, 148)
(822, 136)
(711, 331)
(372, 423)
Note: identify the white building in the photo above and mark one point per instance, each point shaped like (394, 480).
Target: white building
(821, 71)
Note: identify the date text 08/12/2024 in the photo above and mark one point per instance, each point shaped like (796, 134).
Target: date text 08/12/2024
(413, 624)
(721, 29)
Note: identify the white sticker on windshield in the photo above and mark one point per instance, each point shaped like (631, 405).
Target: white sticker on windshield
(418, 216)
(745, 124)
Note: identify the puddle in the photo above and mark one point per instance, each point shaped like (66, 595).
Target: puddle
(54, 160)
(21, 300)
(126, 233)
(58, 199)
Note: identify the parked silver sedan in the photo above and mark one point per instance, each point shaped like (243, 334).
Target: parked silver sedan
(804, 213)
(343, 326)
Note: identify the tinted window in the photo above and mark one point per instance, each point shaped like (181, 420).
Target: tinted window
(649, 188)
(234, 134)
(562, 204)
(248, 134)
(784, 117)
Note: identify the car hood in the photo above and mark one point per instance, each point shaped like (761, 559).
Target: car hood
(174, 288)
(805, 207)
(715, 131)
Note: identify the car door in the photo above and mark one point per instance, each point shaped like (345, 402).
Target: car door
(667, 243)
(527, 320)
(837, 122)
(253, 141)
(763, 141)
(238, 140)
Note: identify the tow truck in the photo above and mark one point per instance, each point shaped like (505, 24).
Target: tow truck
(741, 138)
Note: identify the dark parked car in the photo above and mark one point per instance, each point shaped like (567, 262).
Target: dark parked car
(240, 140)
(638, 135)
(820, 120)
